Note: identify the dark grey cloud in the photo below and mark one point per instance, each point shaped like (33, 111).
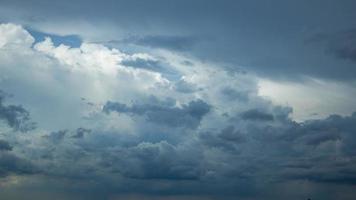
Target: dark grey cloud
(340, 44)
(255, 114)
(15, 116)
(56, 136)
(195, 160)
(165, 113)
(228, 139)
(319, 151)
(229, 134)
(10, 163)
(160, 161)
(316, 144)
(334, 128)
(5, 146)
(319, 139)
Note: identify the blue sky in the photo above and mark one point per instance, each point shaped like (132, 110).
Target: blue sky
(177, 99)
(69, 40)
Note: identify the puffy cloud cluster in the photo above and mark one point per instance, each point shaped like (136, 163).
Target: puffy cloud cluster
(120, 123)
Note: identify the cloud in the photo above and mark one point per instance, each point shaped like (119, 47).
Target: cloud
(5, 146)
(176, 43)
(149, 64)
(230, 39)
(14, 35)
(229, 134)
(80, 132)
(15, 116)
(207, 133)
(165, 112)
(255, 114)
(233, 94)
(228, 139)
(145, 61)
(56, 136)
(10, 163)
(185, 87)
(341, 44)
(159, 161)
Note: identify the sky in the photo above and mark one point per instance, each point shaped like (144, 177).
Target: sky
(177, 100)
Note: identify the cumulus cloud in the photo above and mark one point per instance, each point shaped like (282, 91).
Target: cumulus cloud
(165, 113)
(206, 133)
(15, 116)
(14, 35)
(159, 161)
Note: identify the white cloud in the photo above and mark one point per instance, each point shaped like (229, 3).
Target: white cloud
(14, 35)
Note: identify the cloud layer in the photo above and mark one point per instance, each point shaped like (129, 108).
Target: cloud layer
(179, 129)
(264, 37)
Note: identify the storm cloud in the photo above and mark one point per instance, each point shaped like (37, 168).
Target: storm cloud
(172, 106)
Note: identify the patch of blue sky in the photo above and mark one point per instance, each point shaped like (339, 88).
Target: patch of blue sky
(69, 40)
